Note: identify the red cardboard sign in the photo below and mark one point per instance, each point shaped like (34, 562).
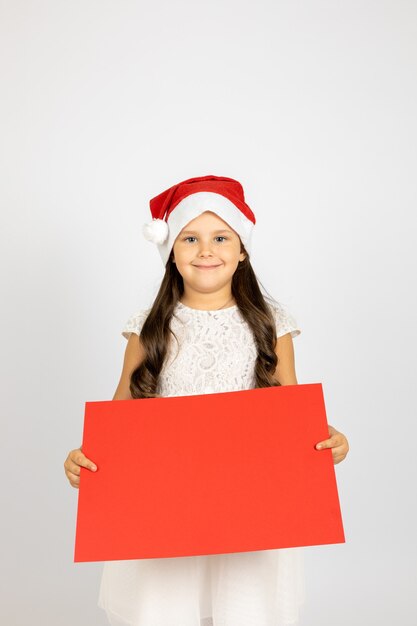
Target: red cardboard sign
(207, 474)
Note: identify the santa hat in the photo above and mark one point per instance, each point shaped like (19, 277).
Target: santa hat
(173, 208)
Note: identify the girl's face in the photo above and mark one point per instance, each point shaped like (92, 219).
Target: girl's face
(207, 253)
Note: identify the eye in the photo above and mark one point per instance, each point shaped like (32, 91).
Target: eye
(218, 237)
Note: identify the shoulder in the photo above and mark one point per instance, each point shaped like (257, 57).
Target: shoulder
(284, 319)
(135, 322)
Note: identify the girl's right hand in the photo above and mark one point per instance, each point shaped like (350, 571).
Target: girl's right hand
(72, 464)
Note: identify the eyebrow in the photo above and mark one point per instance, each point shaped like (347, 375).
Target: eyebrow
(194, 232)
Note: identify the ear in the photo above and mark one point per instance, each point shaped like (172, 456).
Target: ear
(242, 256)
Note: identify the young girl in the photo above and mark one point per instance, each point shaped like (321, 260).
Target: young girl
(209, 330)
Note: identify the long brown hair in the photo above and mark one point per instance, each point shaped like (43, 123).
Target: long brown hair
(156, 331)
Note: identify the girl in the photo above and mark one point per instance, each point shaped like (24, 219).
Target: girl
(209, 330)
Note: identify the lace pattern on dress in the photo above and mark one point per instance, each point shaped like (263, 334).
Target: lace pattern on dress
(285, 322)
(212, 351)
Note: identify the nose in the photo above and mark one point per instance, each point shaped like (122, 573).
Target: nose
(205, 249)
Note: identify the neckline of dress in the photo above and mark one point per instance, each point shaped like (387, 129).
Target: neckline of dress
(189, 308)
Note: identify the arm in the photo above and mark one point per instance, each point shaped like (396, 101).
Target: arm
(285, 371)
(285, 374)
(134, 355)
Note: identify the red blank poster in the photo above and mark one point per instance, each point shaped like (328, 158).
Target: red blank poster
(207, 474)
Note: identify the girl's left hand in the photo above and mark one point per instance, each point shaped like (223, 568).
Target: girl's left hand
(338, 443)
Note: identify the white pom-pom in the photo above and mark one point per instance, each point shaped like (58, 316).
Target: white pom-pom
(156, 231)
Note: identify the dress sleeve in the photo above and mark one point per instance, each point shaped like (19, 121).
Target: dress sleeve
(285, 321)
(134, 323)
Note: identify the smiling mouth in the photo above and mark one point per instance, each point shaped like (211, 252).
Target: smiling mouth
(206, 267)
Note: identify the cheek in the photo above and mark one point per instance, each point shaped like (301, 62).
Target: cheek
(183, 258)
(233, 254)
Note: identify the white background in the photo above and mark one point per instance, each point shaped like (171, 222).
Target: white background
(312, 106)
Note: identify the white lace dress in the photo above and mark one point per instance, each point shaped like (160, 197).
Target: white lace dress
(215, 353)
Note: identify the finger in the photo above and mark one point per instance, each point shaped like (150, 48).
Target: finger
(80, 459)
(339, 456)
(329, 443)
(340, 449)
(73, 479)
(324, 444)
(72, 467)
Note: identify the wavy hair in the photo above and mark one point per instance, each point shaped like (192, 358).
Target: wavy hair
(156, 331)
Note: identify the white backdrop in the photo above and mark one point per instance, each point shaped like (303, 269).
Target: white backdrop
(311, 105)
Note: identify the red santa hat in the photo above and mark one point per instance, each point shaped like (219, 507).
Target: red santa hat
(175, 207)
